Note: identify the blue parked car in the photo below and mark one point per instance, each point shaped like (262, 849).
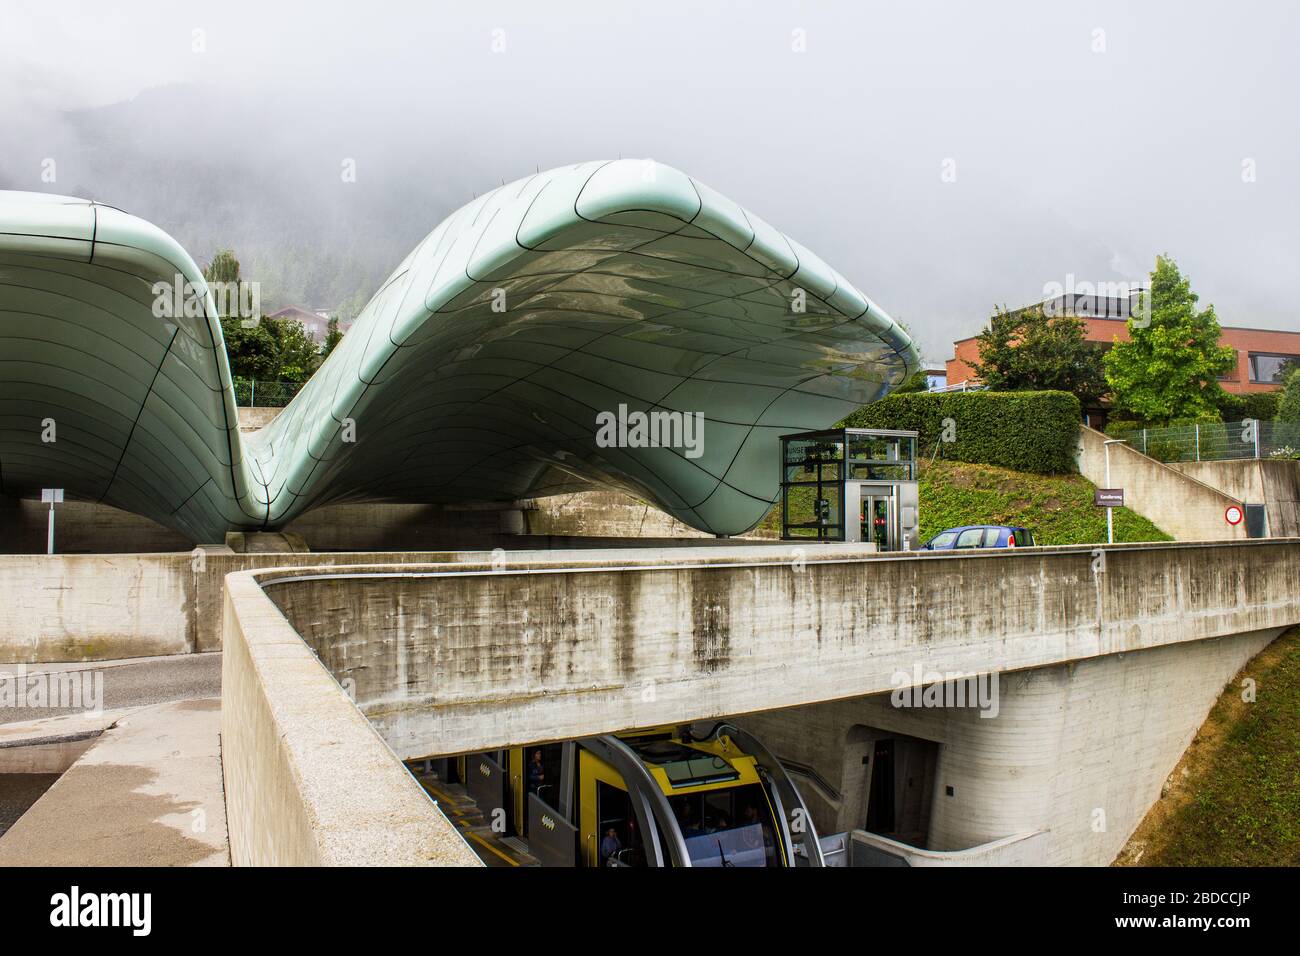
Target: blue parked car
(980, 536)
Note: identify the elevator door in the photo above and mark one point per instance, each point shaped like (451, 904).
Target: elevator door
(879, 518)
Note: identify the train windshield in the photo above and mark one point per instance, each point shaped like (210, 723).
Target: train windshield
(731, 827)
(684, 766)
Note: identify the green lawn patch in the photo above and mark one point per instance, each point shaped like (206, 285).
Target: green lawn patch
(1234, 799)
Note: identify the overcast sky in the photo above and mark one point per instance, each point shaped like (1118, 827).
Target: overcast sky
(1078, 138)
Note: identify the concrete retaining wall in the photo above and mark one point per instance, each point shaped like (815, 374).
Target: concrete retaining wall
(101, 607)
(1023, 849)
(1079, 751)
(257, 417)
(69, 607)
(456, 660)
(308, 782)
(84, 527)
(1179, 505)
(1274, 484)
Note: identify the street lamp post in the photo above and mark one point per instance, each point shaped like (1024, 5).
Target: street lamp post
(1110, 512)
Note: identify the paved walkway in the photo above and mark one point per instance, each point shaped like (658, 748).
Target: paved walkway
(148, 792)
(133, 682)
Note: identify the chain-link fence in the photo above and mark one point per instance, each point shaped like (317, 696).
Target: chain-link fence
(1216, 441)
(265, 394)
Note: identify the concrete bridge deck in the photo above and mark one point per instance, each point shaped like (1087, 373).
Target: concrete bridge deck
(475, 656)
(534, 647)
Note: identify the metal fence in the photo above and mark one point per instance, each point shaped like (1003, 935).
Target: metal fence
(1217, 441)
(265, 394)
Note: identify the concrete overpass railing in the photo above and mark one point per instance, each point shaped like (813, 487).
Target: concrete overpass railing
(460, 658)
(308, 781)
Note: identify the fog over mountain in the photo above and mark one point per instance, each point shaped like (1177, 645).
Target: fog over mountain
(943, 156)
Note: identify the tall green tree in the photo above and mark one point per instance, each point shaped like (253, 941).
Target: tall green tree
(297, 353)
(332, 338)
(263, 350)
(224, 267)
(1028, 351)
(1170, 366)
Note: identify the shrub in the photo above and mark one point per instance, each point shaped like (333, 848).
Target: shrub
(1288, 406)
(1024, 431)
(1261, 406)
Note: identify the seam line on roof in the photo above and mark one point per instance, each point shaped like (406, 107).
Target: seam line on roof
(126, 445)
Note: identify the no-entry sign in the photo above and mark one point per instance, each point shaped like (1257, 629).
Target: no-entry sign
(1232, 515)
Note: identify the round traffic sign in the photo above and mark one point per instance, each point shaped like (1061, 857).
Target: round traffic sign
(1232, 515)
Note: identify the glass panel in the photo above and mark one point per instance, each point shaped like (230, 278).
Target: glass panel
(731, 827)
(1271, 368)
(873, 448)
(898, 472)
(619, 843)
(800, 450)
(830, 471)
(970, 538)
(807, 506)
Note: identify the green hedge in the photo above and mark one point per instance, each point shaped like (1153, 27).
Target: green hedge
(1024, 431)
(1261, 406)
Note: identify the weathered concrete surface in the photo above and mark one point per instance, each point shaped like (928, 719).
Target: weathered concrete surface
(608, 514)
(1023, 849)
(466, 658)
(257, 416)
(148, 793)
(1178, 504)
(1079, 751)
(83, 527)
(102, 607)
(52, 744)
(1272, 483)
(308, 781)
(80, 527)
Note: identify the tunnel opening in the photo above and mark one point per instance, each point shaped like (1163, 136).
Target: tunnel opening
(895, 775)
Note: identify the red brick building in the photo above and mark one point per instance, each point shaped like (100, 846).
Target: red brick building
(1260, 352)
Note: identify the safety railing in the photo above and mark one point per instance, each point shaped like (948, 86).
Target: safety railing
(265, 394)
(1216, 441)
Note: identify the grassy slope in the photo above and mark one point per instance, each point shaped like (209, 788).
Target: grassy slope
(1234, 798)
(1057, 508)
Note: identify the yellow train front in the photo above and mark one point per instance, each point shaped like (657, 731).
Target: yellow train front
(669, 796)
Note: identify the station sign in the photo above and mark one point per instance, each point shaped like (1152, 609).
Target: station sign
(1108, 497)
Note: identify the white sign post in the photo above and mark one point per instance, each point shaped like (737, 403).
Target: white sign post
(1110, 520)
(52, 497)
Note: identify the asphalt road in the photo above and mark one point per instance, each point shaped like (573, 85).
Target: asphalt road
(129, 683)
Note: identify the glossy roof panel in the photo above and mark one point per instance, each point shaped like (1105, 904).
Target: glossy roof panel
(476, 373)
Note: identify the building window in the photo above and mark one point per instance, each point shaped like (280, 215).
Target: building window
(1267, 368)
(1231, 374)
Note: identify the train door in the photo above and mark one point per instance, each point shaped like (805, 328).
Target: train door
(536, 770)
(487, 782)
(516, 771)
(608, 830)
